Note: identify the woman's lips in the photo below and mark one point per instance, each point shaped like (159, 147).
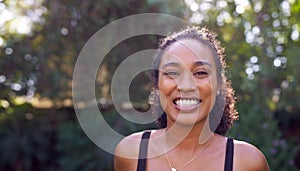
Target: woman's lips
(187, 104)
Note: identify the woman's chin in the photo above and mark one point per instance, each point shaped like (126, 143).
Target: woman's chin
(188, 118)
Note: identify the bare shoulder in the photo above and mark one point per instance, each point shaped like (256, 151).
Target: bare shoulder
(129, 146)
(126, 152)
(247, 157)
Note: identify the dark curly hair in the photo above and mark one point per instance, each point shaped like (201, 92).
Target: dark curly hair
(224, 107)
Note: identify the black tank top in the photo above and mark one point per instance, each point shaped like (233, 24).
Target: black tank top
(144, 148)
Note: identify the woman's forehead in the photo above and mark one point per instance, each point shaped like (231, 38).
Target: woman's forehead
(188, 51)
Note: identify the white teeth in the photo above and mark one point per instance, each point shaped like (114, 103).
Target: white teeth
(186, 102)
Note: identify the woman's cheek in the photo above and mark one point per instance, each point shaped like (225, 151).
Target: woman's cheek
(166, 87)
(206, 86)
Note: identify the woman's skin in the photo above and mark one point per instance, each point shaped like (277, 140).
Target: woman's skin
(188, 86)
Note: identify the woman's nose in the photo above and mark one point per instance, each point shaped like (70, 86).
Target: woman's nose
(187, 83)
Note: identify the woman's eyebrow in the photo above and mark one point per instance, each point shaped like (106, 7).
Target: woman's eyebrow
(197, 63)
(176, 64)
(201, 63)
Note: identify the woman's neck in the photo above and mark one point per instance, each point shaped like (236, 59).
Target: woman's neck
(187, 137)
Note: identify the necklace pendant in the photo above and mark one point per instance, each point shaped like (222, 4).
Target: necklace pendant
(173, 169)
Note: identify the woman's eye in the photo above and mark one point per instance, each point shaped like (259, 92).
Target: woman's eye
(201, 73)
(171, 73)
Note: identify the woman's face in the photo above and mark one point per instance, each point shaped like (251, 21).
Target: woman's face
(187, 82)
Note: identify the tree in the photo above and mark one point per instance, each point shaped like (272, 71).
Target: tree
(41, 63)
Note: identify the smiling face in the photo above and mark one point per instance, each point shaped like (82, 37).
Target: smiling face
(187, 82)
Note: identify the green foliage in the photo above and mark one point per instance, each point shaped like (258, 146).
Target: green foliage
(52, 139)
(50, 52)
(254, 127)
(36, 140)
(77, 152)
(27, 140)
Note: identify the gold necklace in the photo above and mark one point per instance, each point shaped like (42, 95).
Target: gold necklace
(188, 162)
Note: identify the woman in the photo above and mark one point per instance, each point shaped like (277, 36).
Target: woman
(198, 108)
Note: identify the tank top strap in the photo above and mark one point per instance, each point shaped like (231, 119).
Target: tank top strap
(143, 151)
(229, 155)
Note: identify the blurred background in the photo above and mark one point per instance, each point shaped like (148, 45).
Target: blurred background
(40, 41)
